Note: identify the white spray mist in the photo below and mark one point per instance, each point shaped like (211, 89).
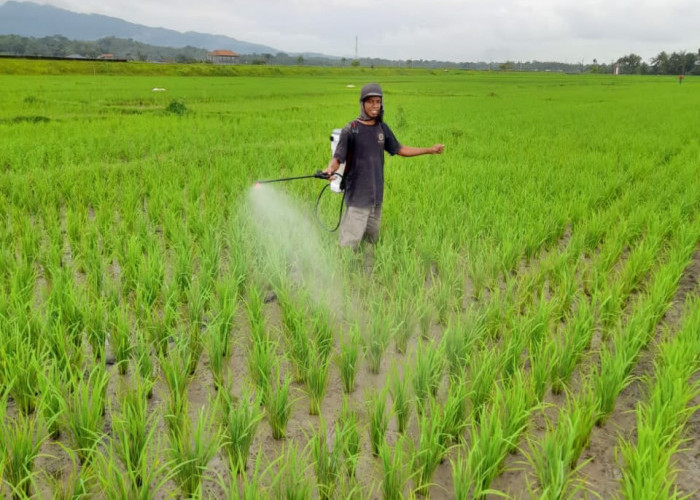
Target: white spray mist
(291, 244)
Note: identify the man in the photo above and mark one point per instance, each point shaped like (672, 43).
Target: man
(361, 146)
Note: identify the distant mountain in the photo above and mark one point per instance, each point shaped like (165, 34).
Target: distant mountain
(34, 20)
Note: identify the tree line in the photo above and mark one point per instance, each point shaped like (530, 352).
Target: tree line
(675, 63)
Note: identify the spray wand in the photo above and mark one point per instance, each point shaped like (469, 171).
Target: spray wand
(318, 175)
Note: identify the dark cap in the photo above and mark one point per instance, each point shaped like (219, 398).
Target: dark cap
(370, 90)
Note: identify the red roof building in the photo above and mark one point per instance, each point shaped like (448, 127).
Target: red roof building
(223, 57)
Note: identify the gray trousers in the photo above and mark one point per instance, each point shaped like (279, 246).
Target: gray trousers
(360, 223)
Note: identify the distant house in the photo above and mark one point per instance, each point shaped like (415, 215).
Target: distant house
(106, 56)
(223, 57)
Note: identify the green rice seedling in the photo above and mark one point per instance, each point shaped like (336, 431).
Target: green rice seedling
(254, 308)
(427, 373)
(212, 247)
(518, 399)
(120, 337)
(455, 411)
(297, 338)
(348, 359)
(649, 464)
(96, 328)
(550, 458)
(144, 363)
(261, 362)
(608, 381)
(405, 325)
(395, 473)
(22, 439)
(541, 367)
(317, 382)
(489, 447)
(184, 264)
(239, 424)
(174, 369)
(198, 297)
(483, 372)
(349, 438)
(377, 339)
(610, 303)
(292, 481)
(224, 319)
(512, 353)
(84, 412)
(21, 370)
(144, 483)
(582, 410)
(219, 355)
(401, 399)
(68, 358)
(323, 334)
(278, 405)
(457, 345)
(192, 449)
(425, 313)
(161, 327)
(251, 487)
(573, 342)
(52, 400)
(75, 485)
(327, 461)
(134, 429)
(430, 451)
(152, 275)
(378, 420)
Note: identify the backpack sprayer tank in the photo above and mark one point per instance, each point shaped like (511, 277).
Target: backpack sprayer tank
(335, 183)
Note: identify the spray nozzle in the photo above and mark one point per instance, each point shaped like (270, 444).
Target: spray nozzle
(320, 174)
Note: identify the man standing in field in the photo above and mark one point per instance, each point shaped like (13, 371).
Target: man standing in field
(361, 147)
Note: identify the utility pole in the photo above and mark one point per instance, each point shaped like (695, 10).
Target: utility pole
(356, 47)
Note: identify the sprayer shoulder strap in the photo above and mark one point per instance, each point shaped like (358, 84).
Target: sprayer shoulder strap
(351, 150)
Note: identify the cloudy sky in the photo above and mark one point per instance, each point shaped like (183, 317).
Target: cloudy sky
(571, 31)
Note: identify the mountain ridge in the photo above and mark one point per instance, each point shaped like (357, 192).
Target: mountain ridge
(34, 20)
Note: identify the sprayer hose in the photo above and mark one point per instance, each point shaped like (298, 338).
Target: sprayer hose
(340, 214)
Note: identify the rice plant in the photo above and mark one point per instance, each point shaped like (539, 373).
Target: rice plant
(175, 374)
(395, 476)
(348, 359)
(292, 481)
(218, 352)
(261, 363)
(240, 421)
(378, 419)
(191, 449)
(120, 337)
(22, 439)
(134, 429)
(349, 438)
(144, 482)
(430, 450)
(317, 382)
(377, 339)
(84, 413)
(455, 411)
(327, 461)
(401, 399)
(278, 405)
(427, 374)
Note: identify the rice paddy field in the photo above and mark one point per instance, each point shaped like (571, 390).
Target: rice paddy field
(528, 325)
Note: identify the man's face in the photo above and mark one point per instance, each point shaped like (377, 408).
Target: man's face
(372, 105)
